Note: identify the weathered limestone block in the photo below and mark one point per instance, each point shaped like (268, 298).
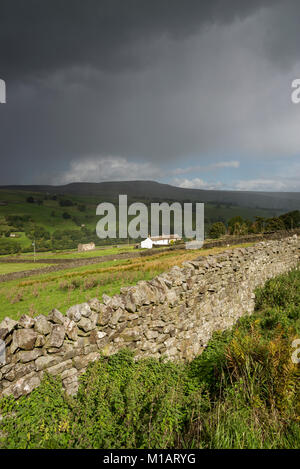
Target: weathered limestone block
(28, 356)
(85, 310)
(129, 302)
(116, 316)
(19, 371)
(46, 361)
(40, 341)
(151, 334)
(70, 382)
(82, 361)
(56, 337)
(77, 311)
(95, 305)
(146, 293)
(59, 368)
(23, 386)
(6, 327)
(26, 321)
(104, 315)
(106, 298)
(68, 373)
(42, 325)
(74, 313)
(131, 317)
(96, 336)
(56, 317)
(70, 328)
(85, 324)
(114, 302)
(171, 297)
(131, 335)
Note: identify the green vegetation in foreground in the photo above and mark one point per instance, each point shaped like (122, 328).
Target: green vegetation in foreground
(242, 392)
(8, 268)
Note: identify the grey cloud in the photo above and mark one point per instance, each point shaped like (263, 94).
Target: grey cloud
(210, 167)
(282, 34)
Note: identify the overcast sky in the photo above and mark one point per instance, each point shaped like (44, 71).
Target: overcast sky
(196, 94)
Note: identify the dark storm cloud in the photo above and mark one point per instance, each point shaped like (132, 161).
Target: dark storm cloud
(40, 36)
(282, 37)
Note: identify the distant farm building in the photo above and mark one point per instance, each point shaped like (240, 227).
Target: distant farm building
(162, 240)
(86, 247)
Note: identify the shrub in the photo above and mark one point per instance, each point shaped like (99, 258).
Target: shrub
(217, 229)
(9, 246)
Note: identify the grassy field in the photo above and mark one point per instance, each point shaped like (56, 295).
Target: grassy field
(40, 293)
(242, 392)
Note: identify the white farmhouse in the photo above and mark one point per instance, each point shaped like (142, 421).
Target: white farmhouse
(162, 240)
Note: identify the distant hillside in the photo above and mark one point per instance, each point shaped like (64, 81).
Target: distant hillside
(283, 201)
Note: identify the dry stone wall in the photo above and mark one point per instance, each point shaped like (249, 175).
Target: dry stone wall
(173, 315)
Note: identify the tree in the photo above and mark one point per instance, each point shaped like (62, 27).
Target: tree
(274, 224)
(238, 226)
(259, 224)
(291, 220)
(66, 215)
(37, 232)
(9, 247)
(66, 203)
